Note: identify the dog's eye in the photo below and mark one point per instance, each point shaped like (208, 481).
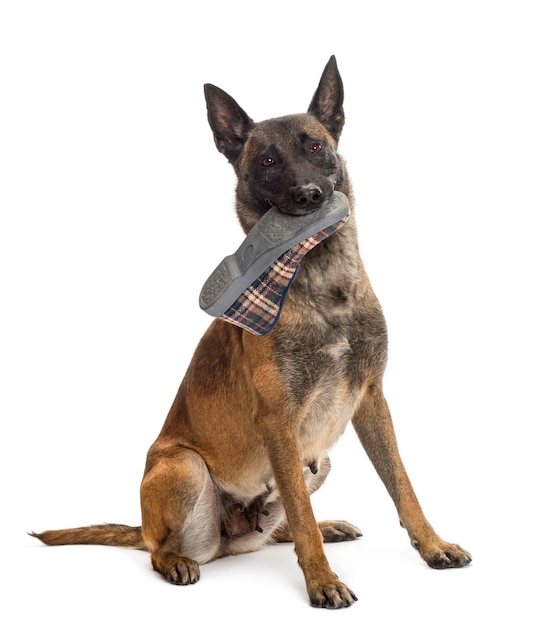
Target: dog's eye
(267, 162)
(316, 147)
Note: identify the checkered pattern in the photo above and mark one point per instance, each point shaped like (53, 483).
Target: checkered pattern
(258, 307)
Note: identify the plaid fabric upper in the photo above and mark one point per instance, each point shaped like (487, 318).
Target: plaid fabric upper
(258, 307)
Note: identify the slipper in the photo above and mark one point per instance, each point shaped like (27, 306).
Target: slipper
(248, 287)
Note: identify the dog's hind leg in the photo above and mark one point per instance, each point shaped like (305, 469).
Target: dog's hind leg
(180, 513)
(331, 530)
(373, 425)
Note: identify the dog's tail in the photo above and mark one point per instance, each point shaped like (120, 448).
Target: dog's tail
(102, 534)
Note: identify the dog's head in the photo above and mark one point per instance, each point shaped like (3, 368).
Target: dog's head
(292, 161)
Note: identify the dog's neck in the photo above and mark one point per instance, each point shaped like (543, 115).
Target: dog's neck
(331, 272)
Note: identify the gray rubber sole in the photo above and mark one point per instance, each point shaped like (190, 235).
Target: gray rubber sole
(272, 236)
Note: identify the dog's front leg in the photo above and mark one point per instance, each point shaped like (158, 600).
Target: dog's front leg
(323, 587)
(373, 424)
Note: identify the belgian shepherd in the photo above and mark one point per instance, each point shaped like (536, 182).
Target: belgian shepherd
(246, 440)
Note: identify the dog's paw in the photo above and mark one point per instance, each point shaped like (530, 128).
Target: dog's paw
(444, 555)
(184, 572)
(338, 530)
(178, 570)
(331, 596)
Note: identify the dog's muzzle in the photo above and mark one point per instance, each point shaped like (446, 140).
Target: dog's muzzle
(248, 288)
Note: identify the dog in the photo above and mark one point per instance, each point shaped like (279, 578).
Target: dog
(246, 440)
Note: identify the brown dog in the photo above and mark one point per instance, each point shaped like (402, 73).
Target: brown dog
(246, 441)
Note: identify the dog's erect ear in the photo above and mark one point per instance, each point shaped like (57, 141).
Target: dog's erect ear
(327, 102)
(229, 122)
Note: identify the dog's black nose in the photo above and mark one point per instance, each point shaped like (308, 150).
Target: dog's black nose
(308, 196)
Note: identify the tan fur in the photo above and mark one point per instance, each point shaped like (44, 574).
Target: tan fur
(246, 441)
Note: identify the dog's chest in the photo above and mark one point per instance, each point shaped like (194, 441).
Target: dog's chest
(318, 358)
(327, 408)
(332, 342)
(325, 380)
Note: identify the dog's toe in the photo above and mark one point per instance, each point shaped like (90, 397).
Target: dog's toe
(177, 569)
(184, 572)
(448, 555)
(335, 596)
(339, 530)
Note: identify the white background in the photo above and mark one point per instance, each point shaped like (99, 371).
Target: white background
(115, 206)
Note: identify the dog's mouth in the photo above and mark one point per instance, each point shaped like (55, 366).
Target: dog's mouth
(295, 210)
(303, 199)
